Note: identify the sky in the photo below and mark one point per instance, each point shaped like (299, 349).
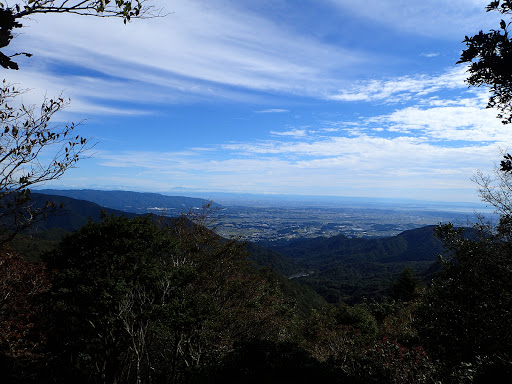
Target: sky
(320, 97)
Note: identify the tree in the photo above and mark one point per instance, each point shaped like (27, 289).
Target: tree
(496, 189)
(348, 340)
(231, 302)
(465, 318)
(26, 136)
(406, 286)
(109, 284)
(490, 55)
(10, 16)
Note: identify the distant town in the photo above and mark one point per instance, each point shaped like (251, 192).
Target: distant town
(272, 224)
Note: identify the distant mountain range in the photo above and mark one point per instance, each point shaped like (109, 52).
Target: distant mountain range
(266, 200)
(135, 202)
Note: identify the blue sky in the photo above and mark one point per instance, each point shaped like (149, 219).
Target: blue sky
(323, 97)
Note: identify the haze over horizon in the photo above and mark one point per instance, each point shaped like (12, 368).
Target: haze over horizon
(324, 97)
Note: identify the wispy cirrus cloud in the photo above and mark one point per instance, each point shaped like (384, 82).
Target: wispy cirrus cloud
(198, 52)
(291, 133)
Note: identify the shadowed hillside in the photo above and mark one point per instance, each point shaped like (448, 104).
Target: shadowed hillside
(347, 269)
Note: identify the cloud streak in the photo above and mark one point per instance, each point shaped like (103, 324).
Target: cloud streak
(274, 110)
(199, 51)
(403, 88)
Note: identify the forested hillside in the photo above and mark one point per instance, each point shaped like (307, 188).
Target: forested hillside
(412, 245)
(343, 269)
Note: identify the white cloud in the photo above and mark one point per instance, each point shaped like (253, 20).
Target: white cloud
(334, 166)
(449, 123)
(403, 88)
(274, 110)
(430, 54)
(293, 133)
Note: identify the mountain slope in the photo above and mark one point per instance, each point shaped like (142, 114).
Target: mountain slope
(413, 245)
(70, 214)
(346, 269)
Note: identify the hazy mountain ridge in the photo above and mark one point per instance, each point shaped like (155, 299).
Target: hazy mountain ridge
(135, 202)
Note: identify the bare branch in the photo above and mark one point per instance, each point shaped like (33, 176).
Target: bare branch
(32, 151)
(496, 189)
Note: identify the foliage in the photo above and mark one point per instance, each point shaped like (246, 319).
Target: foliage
(348, 339)
(388, 361)
(490, 55)
(331, 333)
(135, 302)
(103, 270)
(406, 286)
(266, 361)
(242, 304)
(21, 338)
(471, 299)
(301, 297)
(465, 318)
(395, 320)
